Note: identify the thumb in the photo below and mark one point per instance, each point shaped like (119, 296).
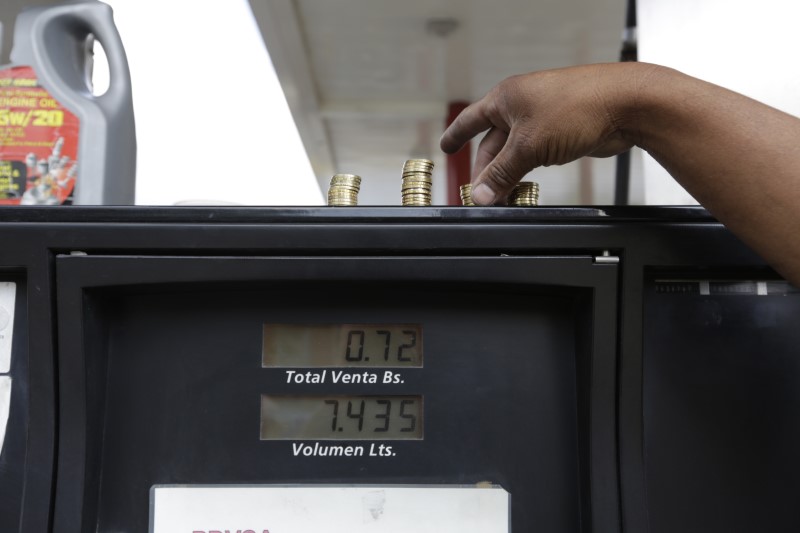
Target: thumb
(497, 180)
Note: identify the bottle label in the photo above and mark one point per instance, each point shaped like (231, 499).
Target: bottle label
(38, 142)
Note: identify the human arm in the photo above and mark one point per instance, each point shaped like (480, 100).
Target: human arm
(736, 156)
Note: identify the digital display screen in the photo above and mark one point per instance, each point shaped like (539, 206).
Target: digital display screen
(341, 417)
(342, 345)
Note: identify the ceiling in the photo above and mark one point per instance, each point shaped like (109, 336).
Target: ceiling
(369, 81)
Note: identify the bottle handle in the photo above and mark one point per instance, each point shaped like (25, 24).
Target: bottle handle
(102, 27)
(65, 65)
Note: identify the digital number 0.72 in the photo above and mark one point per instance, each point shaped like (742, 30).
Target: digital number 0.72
(355, 345)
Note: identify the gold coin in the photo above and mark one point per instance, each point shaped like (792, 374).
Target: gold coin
(417, 182)
(415, 174)
(418, 162)
(420, 171)
(416, 199)
(338, 199)
(415, 170)
(347, 186)
(335, 182)
(525, 193)
(466, 194)
(346, 177)
(523, 202)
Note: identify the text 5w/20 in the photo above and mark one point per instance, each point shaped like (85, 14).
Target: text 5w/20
(33, 117)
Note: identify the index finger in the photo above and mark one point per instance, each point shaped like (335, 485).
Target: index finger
(467, 125)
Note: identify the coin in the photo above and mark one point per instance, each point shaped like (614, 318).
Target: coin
(526, 193)
(416, 190)
(466, 194)
(344, 190)
(418, 163)
(417, 182)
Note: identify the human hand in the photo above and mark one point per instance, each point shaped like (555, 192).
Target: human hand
(546, 118)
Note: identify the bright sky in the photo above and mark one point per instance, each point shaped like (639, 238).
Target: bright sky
(211, 119)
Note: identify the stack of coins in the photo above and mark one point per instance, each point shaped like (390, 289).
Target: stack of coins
(417, 182)
(526, 193)
(466, 194)
(344, 190)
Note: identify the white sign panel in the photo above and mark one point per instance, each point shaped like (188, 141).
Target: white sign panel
(312, 509)
(8, 291)
(5, 405)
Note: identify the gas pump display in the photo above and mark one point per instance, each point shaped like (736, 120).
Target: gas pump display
(326, 348)
(544, 370)
(341, 417)
(334, 345)
(386, 376)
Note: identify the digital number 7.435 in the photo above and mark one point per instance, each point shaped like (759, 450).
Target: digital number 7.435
(341, 417)
(385, 417)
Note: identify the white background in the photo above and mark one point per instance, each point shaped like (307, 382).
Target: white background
(749, 47)
(212, 122)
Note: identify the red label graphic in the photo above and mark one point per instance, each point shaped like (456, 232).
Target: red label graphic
(38, 142)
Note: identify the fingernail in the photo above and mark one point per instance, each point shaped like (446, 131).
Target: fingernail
(483, 195)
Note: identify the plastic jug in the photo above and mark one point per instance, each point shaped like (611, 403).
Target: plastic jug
(59, 143)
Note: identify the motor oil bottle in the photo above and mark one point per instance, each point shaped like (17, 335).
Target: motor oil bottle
(59, 143)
